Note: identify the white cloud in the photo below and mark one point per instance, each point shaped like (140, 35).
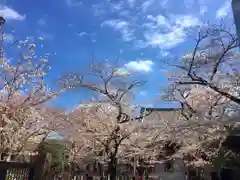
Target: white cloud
(116, 6)
(164, 53)
(186, 21)
(164, 3)
(166, 40)
(131, 3)
(41, 22)
(48, 36)
(82, 34)
(139, 66)
(106, 7)
(139, 44)
(9, 38)
(188, 3)
(98, 9)
(10, 14)
(172, 31)
(118, 24)
(45, 35)
(122, 26)
(203, 9)
(203, 6)
(224, 9)
(143, 93)
(160, 20)
(146, 27)
(147, 4)
(74, 3)
(124, 13)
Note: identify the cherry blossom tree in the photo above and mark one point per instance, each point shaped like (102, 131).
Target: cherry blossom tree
(145, 147)
(93, 129)
(213, 63)
(112, 133)
(110, 125)
(97, 134)
(23, 92)
(205, 83)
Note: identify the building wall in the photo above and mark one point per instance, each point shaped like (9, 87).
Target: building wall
(156, 116)
(177, 173)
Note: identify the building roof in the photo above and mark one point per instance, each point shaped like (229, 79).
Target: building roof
(154, 114)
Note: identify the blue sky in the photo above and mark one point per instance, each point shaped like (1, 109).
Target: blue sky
(141, 33)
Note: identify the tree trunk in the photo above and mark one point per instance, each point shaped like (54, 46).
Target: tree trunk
(147, 174)
(70, 171)
(112, 170)
(140, 170)
(101, 171)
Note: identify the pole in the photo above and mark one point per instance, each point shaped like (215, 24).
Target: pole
(134, 166)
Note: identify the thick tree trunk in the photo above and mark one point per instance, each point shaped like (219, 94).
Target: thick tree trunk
(1, 156)
(112, 170)
(88, 175)
(101, 171)
(140, 172)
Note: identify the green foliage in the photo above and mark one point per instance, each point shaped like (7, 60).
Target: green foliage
(58, 151)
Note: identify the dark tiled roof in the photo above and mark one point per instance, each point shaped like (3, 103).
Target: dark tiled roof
(159, 113)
